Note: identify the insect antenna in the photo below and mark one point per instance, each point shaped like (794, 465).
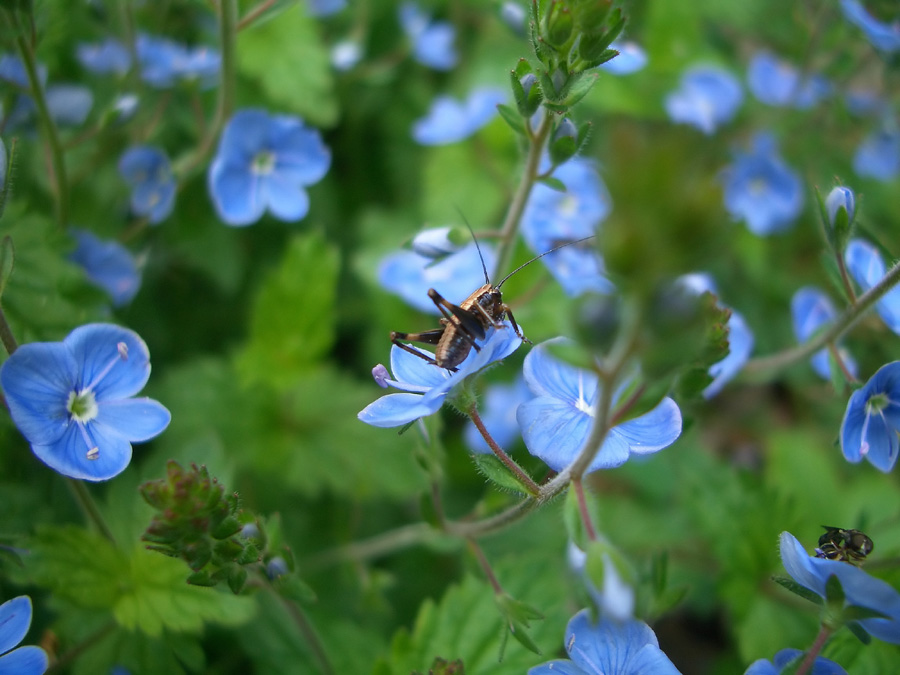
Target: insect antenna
(487, 279)
(538, 257)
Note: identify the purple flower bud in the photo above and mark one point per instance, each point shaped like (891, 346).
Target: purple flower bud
(381, 375)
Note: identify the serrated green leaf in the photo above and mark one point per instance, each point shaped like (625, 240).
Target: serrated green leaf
(496, 472)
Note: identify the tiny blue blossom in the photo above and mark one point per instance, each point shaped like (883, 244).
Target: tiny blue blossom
(500, 402)
(878, 156)
(706, 98)
(15, 620)
(324, 7)
(872, 420)
(552, 218)
(840, 197)
(107, 57)
(608, 647)
(73, 400)
(777, 83)
(821, 666)
(432, 41)
(435, 243)
(12, 70)
(631, 58)
(424, 384)
(515, 16)
(108, 265)
(449, 121)
(264, 162)
(761, 189)
(867, 269)
(860, 589)
(811, 311)
(883, 36)
(556, 424)
(346, 54)
(164, 62)
(147, 170)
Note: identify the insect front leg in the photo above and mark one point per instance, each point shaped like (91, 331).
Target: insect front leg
(515, 326)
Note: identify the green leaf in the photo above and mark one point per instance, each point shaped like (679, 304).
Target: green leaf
(290, 63)
(292, 320)
(796, 588)
(553, 183)
(512, 118)
(497, 472)
(7, 261)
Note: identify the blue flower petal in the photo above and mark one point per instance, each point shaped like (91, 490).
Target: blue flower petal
(869, 434)
(73, 455)
(548, 376)
(449, 121)
(15, 618)
(553, 430)
(301, 156)
(107, 264)
(109, 56)
(631, 58)
(287, 200)
(878, 156)
(867, 269)
(707, 97)
(235, 193)
(135, 419)
(24, 661)
(558, 667)
(395, 410)
(651, 432)
(97, 352)
(882, 36)
(408, 367)
(740, 346)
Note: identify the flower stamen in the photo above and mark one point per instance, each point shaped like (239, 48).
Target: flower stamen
(122, 355)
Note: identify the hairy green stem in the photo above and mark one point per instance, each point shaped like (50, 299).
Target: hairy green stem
(383, 544)
(309, 634)
(516, 470)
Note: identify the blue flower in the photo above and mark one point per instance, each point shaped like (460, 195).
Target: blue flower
(15, 619)
(499, 416)
(72, 400)
(867, 268)
(778, 83)
(346, 54)
(860, 589)
(432, 41)
(883, 36)
(821, 666)
(761, 189)
(108, 265)
(556, 424)
(608, 648)
(109, 56)
(425, 385)
(147, 170)
(435, 243)
(878, 156)
(265, 162)
(449, 121)
(706, 98)
(324, 7)
(631, 58)
(872, 420)
(455, 277)
(164, 62)
(811, 310)
(12, 70)
(68, 104)
(616, 600)
(552, 218)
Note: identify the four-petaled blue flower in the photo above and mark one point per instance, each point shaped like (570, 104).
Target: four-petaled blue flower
(147, 170)
(15, 619)
(883, 36)
(872, 420)
(449, 121)
(556, 424)
(72, 400)
(860, 589)
(500, 402)
(608, 647)
(108, 265)
(265, 162)
(109, 56)
(867, 269)
(778, 83)
(426, 385)
(706, 98)
(811, 310)
(432, 41)
(164, 62)
(552, 218)
(878, 156)
(821, 666)
(761, 189)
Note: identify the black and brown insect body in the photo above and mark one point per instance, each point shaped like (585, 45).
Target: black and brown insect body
(850, 546)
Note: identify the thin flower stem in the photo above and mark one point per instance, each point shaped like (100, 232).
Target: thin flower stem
(66, 659)
(589, 530)
(89, 507)
(520, 474)
(309, 634)
(810, 659)
(6, 335)
(485, 566)
(407, 536)
(845, 278)
(254, 14)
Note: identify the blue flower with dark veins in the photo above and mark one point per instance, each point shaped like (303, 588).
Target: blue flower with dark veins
(147, 170)
(761, 189)
(872, 420)
(425, 385)
(860, 589)
(15, 620)
(706, 98)
(500, 402)
(450, 121)
(784, 658)
(608, 647)
(108, 265)
(107, 57)
(867, 269)
(884, 37)
(556, 424)
(878, 156)
(264, 162)
(73, 400)
(432, 41)
(776, 82)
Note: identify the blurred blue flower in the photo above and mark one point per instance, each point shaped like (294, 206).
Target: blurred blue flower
(346, 54)
(821, 666)
(552, 218)
(265, 162)
(840, 197)
(872, 420)
(450, 121)
(740, 337)
(811, 311)
(432, 41)
(776, 82)
(109, 56)
(500, 402)
(867, 269)
(608, 648)
(324, 7)
(616, 600)
(425, 385)
(435, 243)
(72, 400)
(15, 620)
(761, 189)
(164, 62)
(883, 36)
(68, 104)
(556, 424)
(108, 265)
(147, 170)
(707, 97)
(12, 70)
(455, 277)
(631, 58)
(515, 16)
(878, 156)
(864, 102)
(860, 589)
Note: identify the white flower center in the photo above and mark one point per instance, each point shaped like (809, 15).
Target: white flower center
(82, 405)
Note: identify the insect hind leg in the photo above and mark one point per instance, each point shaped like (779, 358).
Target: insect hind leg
(431, 337)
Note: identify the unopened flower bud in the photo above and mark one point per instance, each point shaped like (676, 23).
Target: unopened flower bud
(276, 567)
(840, 197)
